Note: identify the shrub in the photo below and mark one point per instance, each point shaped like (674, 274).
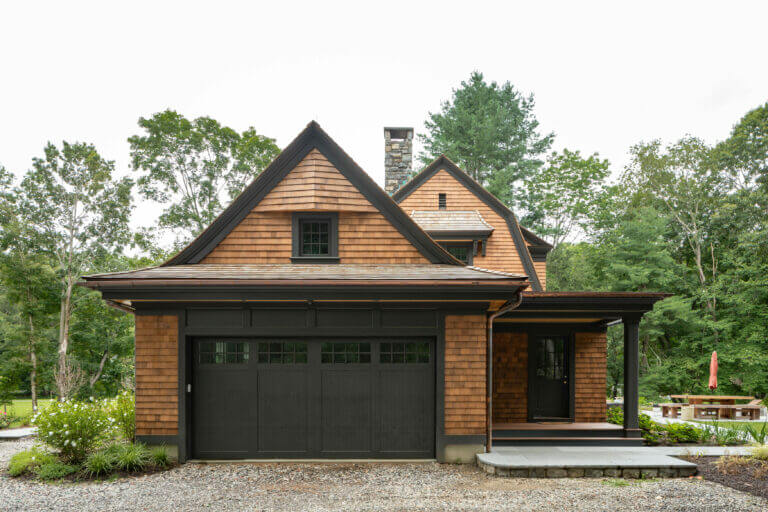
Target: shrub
(99, 463)
(132, 457)
(122, 409)
(28, 460)
(54, 470)
(160, 457)
(73, 428)
(683, 433)
(6, 419)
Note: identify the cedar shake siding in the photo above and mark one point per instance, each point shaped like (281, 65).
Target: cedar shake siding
(501, 253)
(157, 392)
(541, 271)
(510, 377)
(590, 376)
(264, 236)
(465, 387)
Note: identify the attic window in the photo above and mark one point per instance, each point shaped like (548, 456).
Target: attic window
(315, 238)
(441, 201)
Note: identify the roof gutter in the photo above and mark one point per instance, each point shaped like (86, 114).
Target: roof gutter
(506, 308)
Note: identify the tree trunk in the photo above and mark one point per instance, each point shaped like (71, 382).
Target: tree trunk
(96, 377)
(66, 302)
(33, 363)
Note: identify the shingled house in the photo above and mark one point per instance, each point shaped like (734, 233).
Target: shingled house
(320, 317)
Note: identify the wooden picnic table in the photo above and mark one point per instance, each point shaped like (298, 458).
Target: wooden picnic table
(720, 406)
(711, 399)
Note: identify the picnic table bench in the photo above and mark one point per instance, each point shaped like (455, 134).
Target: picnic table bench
(671, 410)
(716, 406)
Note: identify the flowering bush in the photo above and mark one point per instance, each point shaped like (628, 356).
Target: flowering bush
(122, 409)
(6, 419)
(74, 428)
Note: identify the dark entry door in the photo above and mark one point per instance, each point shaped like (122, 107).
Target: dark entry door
(550, 377)
(301, 398)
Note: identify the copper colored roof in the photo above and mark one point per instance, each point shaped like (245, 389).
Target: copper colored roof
(309, 272)
(435, 221)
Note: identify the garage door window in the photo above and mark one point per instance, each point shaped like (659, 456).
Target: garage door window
(283, 353)
(404, 353)
(346, 353)
(223, 352)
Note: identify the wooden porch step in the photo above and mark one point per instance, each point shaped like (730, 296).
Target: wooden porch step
(560, 434)
(568, 441)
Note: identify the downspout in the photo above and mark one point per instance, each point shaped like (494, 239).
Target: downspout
(506, 308)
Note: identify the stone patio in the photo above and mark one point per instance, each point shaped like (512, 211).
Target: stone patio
(580, 461)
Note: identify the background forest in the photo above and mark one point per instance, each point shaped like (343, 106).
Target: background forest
(683, 217)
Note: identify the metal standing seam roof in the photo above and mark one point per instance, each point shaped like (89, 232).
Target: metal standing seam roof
(293, 271)
(451, 220)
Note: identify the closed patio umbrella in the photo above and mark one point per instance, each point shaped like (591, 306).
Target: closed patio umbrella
(713, 371)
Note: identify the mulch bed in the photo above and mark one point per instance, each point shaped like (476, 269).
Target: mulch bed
(748, 476)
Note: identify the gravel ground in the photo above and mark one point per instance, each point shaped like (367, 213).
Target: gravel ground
(295, 487)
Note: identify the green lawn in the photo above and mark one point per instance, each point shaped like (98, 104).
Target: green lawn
(23, 408)
(728, 424)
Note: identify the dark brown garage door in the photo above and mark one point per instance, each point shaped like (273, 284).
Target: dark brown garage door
(302, 398)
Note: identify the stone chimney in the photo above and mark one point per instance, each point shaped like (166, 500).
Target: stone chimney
(398, 157)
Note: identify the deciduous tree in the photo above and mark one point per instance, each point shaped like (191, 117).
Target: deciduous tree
(194, 167)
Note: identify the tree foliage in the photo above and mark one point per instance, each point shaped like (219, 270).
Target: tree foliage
(195, 167)
(490, 131)
(688, 219)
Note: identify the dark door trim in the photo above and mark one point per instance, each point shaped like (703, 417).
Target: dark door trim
(570, 341)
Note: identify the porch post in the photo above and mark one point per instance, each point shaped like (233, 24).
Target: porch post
(631, 370)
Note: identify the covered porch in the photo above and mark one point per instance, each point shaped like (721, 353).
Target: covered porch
(549, 369)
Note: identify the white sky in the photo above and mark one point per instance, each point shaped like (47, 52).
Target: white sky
(605, 75)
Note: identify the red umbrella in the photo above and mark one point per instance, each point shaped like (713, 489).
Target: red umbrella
(713, 371)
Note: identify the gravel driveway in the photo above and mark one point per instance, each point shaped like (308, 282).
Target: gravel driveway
(296, 487)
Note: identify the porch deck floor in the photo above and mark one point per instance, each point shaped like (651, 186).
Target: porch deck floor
(595, 461)
(550, 425)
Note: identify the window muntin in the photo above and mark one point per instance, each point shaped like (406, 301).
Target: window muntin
(551, 362)
(460, 252)
(224, 352)
(345, 353)
(282, 352)
(404, 353)
(314, 237)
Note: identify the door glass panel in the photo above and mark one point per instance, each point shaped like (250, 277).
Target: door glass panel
(551, 358)
(282, 353)
(345, 353)
(223, 352)
(404, 353)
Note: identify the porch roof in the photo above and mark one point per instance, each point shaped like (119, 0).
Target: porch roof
(581, 307)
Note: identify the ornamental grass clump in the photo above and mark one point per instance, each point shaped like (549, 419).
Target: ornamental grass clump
(99, 464)
(132, 457)
(73, 428)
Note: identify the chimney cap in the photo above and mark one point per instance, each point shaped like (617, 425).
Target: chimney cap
(398, 132)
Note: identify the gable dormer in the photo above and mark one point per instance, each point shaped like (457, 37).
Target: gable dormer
(444, 189)
(313, 204)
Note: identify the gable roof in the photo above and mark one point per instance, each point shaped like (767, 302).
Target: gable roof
(444, 163)
(312, 137)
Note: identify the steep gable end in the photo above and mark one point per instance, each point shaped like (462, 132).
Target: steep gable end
(507, 249)
(313, 174)
(315, 185)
